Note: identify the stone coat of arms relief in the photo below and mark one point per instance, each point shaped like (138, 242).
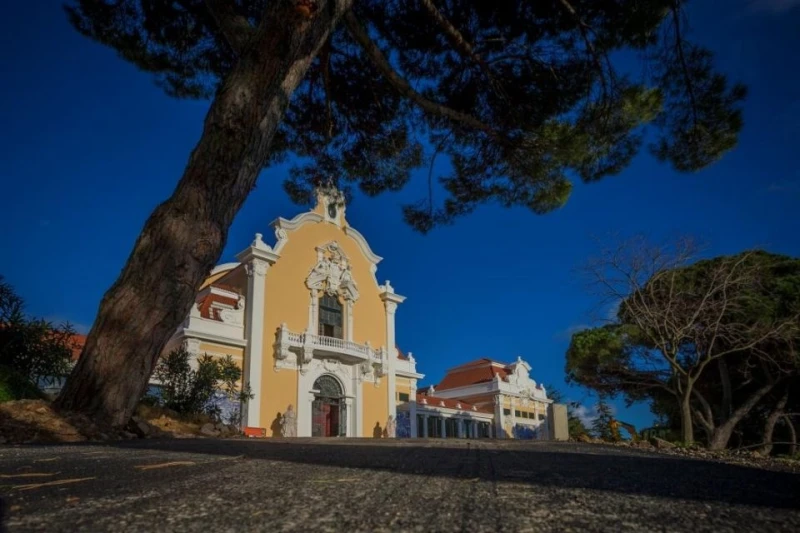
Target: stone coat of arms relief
(332, 273)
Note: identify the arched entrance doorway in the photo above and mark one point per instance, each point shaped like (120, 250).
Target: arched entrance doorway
(329, 410)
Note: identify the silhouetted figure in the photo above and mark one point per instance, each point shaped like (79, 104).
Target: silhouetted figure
(377, 431)
(277, 425)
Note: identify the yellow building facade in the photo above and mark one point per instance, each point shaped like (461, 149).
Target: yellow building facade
(311, 324)
(313, 329)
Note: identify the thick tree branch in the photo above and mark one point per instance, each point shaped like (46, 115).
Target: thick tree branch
(676, 15)
(727, 394)
(584, 29)
(234, 27)
(462, 45)
(706, 417)
(325, 59)
(792, 433)
(359, 33)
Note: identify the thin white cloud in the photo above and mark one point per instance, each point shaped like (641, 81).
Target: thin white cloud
(588, 415)
(567, 333)
(611, 312)
(774, 6)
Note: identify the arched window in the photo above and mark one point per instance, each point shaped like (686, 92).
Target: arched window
(328, 387)
(330, 317)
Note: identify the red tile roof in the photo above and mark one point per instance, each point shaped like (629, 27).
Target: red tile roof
(478, 371)
(77, 341)
(226, 287)
(205, 304)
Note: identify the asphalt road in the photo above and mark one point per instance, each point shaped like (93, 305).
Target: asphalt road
(371, 485)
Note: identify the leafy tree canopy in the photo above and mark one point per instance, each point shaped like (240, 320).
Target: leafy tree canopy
(31, 349)
(524, 98)
(748, 325)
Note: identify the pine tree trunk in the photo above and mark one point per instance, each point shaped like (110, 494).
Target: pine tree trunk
(792, 436)
(722, 433)
(687, 428)
(772, 419)
(184, 237)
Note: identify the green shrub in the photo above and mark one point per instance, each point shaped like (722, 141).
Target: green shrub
(189, 391)
(33, 348)
(14, 386)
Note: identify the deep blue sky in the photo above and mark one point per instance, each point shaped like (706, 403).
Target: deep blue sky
(91, 146)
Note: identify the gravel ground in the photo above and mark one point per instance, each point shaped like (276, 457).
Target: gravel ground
(372, 485)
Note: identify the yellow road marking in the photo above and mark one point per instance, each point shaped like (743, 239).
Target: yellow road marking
(165, 465)
(31, 474)
(52, 483)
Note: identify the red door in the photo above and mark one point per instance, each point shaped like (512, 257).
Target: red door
(325, 419)
(333, 421)
(326, 413)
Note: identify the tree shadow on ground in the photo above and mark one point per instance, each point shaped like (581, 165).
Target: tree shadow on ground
(559, 465)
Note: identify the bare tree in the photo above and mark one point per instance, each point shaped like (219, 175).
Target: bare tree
(690, 314)
(771, 421)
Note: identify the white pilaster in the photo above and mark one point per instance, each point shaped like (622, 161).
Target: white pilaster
(499, 417)
(412, 409)
(513, 417)
(358, 389)
(390, 300)
(352, 421)
(444, 428)
(349, 319)
(192, 346)
(313, 306)
(256, 259)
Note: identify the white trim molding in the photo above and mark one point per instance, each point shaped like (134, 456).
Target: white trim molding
(362, 243)
(223, 267)
(344, 374)
(257, 258)
(391, 300)
(298, 221)
(211, 337)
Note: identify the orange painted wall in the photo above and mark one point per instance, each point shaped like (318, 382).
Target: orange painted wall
(402, 385)
(375, 408)
(236, 351)
(277, 394)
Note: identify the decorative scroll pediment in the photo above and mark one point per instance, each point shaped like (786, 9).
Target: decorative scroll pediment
(332, 273)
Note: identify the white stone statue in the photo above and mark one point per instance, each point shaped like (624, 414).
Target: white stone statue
(289, 423)
(348, 284)
(334, 278)
(318, 275)
(391, 427)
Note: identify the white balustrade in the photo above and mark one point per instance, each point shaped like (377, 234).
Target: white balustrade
(331, 345)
